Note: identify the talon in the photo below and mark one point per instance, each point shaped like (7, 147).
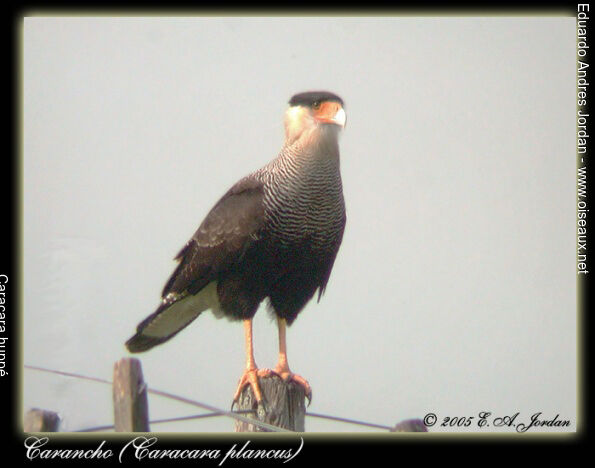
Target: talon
(282, 370)
(250, 377)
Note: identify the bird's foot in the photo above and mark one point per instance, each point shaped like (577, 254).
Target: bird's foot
(288, 376)
(250, 377)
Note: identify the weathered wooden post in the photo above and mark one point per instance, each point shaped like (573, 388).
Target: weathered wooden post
(284, 405)
(410, 425)
(38, 420)
(131, 407)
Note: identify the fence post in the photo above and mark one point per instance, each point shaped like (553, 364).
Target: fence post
(410, 425)
(39, 420)
(131, 407)
(284, 405)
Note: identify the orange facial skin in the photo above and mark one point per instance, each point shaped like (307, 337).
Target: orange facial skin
(327, 111)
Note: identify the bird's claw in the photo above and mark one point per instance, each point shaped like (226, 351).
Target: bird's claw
(288, 376)
(250, 377)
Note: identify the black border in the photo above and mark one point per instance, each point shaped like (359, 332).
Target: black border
(339, 447)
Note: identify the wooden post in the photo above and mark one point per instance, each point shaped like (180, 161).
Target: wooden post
(284, 405)
(38, 420)
(410, 425)
(131, 407)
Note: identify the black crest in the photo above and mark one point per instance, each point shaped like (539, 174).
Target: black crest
(310, 97)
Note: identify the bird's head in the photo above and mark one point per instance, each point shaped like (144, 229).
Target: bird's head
(311, 111)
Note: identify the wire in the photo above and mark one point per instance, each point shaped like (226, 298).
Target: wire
(165, 394)
(213, 410)
(166, 420)
(69, 374)
(350, 421)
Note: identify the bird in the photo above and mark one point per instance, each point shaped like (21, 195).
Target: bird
(273, 237)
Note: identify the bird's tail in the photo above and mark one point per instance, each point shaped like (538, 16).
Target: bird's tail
(175, 313)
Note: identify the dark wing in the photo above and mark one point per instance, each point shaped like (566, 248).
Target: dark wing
(332, 257)
(230, 228)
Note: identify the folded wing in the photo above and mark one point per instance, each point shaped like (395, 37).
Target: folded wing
(230, 228)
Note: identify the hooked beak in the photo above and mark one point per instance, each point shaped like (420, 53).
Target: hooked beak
(331, 113)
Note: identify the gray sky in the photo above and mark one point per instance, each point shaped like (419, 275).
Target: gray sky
(454, 290)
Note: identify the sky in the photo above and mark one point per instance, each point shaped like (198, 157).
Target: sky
(454, 291)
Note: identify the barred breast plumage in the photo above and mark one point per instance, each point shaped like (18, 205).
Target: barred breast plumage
(303, 197)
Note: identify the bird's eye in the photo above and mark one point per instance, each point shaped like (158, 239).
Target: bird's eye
(316, 104)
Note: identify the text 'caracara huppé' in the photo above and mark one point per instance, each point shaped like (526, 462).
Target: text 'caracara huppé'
(274, 235)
